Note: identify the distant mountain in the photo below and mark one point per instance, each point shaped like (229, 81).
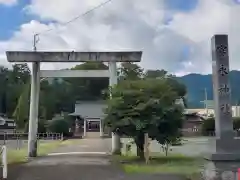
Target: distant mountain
(196, 83)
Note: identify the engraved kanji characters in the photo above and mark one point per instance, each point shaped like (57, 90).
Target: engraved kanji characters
(223, 70)
(225, 108)
(222, 50)
(224, 89)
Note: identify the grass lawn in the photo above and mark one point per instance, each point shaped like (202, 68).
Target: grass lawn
(20, 156)
(172, 164)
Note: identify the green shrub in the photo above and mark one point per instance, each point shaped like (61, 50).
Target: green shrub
(59, 126)
(208, 125)
(236, 123)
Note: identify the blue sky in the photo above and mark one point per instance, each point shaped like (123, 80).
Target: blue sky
(181, 5)
(11, 17)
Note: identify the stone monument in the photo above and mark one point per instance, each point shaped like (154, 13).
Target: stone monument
(225, 159)
(226, 147)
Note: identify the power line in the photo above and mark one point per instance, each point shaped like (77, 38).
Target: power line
(77, 17)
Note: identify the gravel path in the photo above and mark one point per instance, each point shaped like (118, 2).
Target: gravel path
(77, 167)
(67, 163)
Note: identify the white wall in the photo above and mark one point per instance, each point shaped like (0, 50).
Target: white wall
(236, 111)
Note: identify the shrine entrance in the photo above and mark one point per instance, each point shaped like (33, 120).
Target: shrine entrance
(40, 57)
(93, 125)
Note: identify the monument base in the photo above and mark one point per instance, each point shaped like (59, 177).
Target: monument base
(225, 150)
(222, 170)
(223, 157)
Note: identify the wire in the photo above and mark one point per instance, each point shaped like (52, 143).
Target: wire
(77, 17)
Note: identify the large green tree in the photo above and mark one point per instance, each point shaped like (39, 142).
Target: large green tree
(12, 84)
(130, 71)
(145, 106)
(88, 88)
(58, 95)
(172, 80)
(22, 108)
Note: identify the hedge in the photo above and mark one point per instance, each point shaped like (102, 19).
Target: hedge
(59, 126)
(208, 125)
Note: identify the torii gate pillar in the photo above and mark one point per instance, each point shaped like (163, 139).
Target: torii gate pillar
(113, 78)
(33, 114)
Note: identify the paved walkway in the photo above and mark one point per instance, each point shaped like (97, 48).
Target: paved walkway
(78, 162)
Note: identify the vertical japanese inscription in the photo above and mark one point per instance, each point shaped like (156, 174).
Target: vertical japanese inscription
(223, 90)
(223, 71)
(221, 79)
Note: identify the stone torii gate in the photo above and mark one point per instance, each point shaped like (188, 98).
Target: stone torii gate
(37, 57)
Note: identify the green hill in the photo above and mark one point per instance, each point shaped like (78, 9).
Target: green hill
(196, 83)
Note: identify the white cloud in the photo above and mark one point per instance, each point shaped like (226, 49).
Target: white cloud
(133, 25)
(8, 2)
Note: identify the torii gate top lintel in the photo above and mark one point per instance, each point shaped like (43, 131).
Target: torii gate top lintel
(72, 56)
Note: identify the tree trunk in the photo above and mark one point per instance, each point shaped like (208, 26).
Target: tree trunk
(140, 152)
(166, 149)
(139, 140)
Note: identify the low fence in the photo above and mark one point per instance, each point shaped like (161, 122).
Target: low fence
(197, 132)
(3, 153)
(19, 140)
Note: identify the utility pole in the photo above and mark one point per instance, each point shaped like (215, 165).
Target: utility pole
(34, 101)
(35, 41)
(206, 98)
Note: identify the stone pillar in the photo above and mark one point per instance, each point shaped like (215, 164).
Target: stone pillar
(101, 128)
(116, 142)
(85, 128)
(221, 87)
(226, 147)
(33, 115)
(76, 126)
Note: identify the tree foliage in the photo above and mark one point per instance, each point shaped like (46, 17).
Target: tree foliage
(130, 71)
(56, 95)
(60, 94)
(208, 126)
(145, 106)
(59, 126)
(22, 108)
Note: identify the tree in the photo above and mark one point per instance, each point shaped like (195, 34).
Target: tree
(236, 123)
(15, 80)
(208, 126)
(130, 71)
(88, 88)
(173, 81)
(155, 73)
(4, 74)
(144, 106)
(20, 73)
(59, 126)
(22, 109)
